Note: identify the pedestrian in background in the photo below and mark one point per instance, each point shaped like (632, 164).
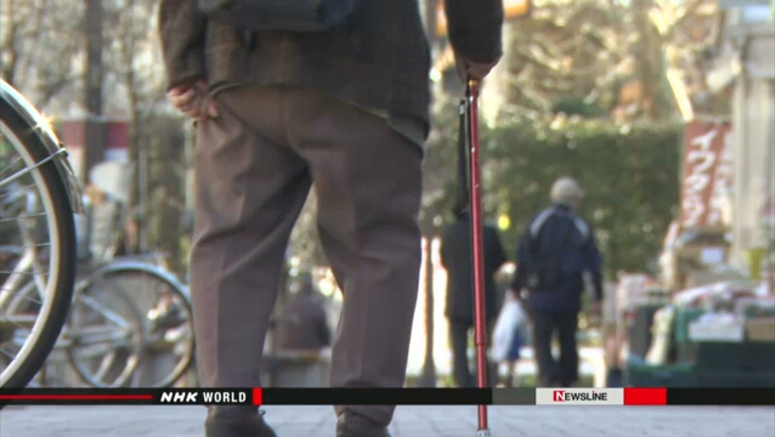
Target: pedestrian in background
(508, 336)
(555, 251)
(456, 258)
(304, 325)
(345, 108)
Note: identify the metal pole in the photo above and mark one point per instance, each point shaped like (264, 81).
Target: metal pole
(769, 228)
(94, 147)
(472, 94)
(143, 200)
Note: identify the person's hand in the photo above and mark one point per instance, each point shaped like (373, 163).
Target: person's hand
(193, 100)
(511, 295)
(468, 69)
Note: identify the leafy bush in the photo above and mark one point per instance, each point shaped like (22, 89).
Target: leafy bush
(629, 172)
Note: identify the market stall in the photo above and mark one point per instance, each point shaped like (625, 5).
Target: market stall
(719, 335)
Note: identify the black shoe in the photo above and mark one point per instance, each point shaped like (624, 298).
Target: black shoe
(239, 426)
(354, 425)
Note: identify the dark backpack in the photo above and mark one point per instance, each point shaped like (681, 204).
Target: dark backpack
(280, 15)
(546, 269)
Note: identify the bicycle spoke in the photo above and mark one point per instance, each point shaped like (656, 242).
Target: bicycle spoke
(25, 322)
(23, 217)
(21, 173)
(105, 364)
(11, 272)
(94, 350)
(37, 245)
(109, 315)
(15, 161)
(98, 334)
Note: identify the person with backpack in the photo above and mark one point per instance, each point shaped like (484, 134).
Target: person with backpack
(555, 251)
(287, 93)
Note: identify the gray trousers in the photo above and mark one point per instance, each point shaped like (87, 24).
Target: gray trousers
(255, 165)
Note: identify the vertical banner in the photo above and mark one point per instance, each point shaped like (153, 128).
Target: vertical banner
(115, 141)
(707, 173)
(73, 136)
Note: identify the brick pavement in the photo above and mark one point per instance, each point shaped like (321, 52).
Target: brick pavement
(454, 421)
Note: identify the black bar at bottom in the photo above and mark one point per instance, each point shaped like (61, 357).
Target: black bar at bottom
(377, 396)
(721, 396)
(244, 396)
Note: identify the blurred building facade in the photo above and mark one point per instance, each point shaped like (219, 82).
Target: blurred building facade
(746, 63)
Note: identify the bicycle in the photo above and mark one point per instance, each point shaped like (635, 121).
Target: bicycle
(118, 322)
(163, 302)
(105, 345)
(129, 313)
(161, 320)
(37, 185)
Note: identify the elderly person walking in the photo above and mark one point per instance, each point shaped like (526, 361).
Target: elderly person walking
(552, 256)
(278, 109)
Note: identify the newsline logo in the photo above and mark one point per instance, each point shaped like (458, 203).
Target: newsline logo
(579, 396)
(567, 396)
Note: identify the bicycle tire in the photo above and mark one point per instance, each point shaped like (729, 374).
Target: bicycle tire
(133, 361)
(133, 268)
(54, 194)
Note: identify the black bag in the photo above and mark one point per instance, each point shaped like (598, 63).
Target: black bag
(280, 15)
(546, 270)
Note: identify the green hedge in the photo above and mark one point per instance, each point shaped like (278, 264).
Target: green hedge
(630, 174)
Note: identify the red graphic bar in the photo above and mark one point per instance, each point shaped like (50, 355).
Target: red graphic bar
(258, 398)
(23, 397)
(645, 396)
(78, 396)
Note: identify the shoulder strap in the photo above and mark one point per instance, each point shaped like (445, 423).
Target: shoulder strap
(571, 222)
(539, 222)
(583, 228)
(536, 226)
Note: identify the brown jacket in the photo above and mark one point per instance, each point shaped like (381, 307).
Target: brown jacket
(381, 63)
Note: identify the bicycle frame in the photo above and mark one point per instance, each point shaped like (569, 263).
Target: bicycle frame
(58, 154)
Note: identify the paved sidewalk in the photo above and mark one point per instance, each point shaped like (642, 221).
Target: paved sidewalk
(315, 421)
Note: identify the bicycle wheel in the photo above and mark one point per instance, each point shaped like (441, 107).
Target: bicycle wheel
(104, 332)
(167, 331)
(33, 196)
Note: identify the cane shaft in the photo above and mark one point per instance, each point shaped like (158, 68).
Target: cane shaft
(478, 244)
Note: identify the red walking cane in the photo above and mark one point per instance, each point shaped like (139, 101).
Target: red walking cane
(474, 168)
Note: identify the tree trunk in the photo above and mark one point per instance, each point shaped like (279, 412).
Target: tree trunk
(94, 149)
(655, 100)
(170, 199)
(275, 327)
(428, 377)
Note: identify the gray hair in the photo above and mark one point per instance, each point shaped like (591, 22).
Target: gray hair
(566, 191)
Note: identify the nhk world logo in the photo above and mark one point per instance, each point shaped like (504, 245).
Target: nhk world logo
(580, 396)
